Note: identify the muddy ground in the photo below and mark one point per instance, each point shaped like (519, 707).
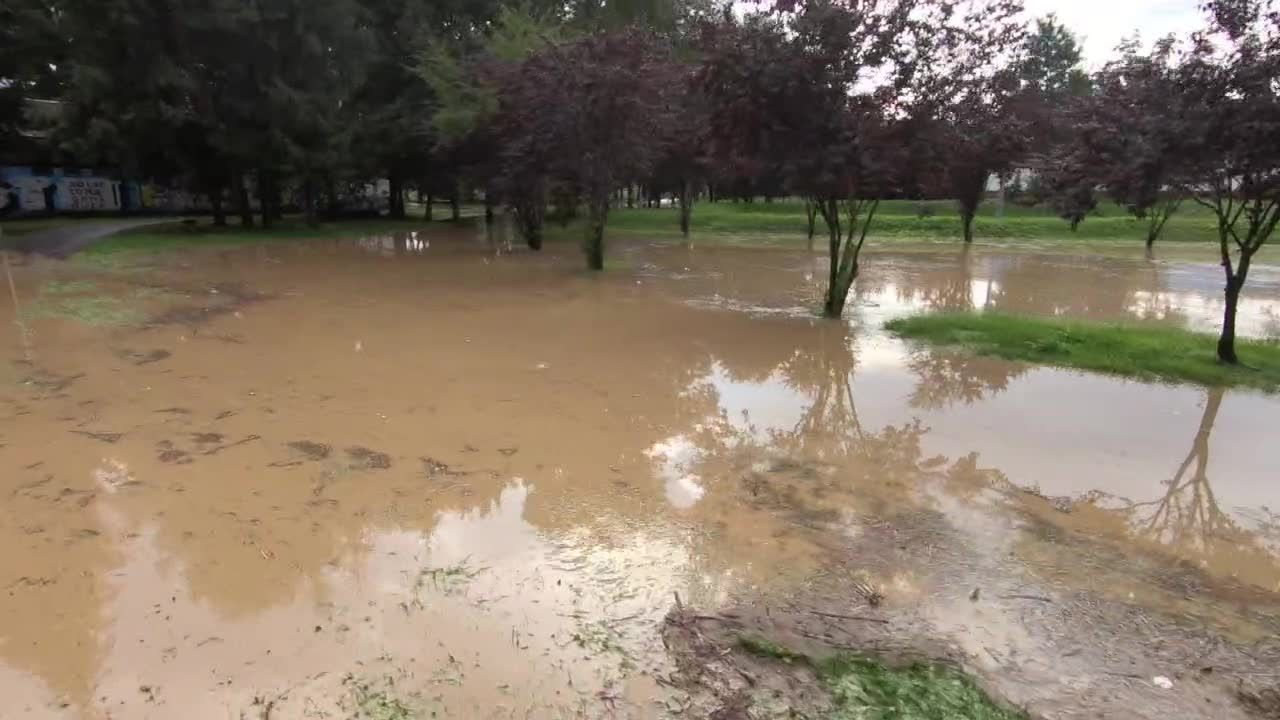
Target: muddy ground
(432, 474)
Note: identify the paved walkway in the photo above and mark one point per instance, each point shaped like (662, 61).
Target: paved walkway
(67, 240)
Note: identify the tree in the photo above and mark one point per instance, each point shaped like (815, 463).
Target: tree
(1229, 137)
(822, 90)
(1068, 186)
(32, 48)
(593, 113)
(1051, 61)
(464, 76)
(1125, 134)
(1051, 75)
(684, 166)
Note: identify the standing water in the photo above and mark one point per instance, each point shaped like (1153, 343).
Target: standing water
(449, 475)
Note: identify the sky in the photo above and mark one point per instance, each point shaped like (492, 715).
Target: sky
(1102, 24)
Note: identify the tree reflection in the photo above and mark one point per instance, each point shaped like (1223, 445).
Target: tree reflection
(1189, 520)
(948, 377)
(1188, 516)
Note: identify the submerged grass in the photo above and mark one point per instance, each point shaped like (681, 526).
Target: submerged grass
(865, 689)
(205, 234)
(1138, 351)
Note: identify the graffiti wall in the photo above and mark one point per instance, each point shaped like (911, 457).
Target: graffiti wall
(22, 189)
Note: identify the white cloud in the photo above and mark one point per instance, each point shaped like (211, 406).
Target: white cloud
(1102, 24)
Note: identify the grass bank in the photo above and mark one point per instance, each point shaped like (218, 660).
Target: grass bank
(1137, 351)
(863, 688)
(915, 220)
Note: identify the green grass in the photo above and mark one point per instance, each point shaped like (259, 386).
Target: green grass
(764, 647)
(902, 219)
(205, 234)
(779, 222)
(96, 311)
(1145, 352)
(865, 689)
(26, 226)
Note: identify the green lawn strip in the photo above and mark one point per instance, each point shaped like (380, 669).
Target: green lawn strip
(1146, 352)
(897, 220)
(204, 233)
(865, 689)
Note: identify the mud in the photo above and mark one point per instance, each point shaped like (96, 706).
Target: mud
(418, 472)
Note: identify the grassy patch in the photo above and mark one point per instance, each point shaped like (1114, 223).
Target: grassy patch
(68, 287)
(1138, 351)
(868, 690)
(97, 311)
(764, 647)
(864, 689)
(205, 234)
(376, 704)
(904, 219)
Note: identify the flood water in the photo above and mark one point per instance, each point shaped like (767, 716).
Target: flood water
(282, 480)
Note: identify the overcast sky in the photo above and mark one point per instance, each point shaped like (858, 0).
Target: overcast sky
(1101, 24)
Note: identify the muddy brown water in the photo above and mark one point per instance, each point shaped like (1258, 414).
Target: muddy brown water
(301, 475)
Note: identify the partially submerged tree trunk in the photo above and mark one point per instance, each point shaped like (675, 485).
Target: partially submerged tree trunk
(1158, 216)
(242, 203)
(844, 249)
(969, 187)
(455, 211)
(966, 218)
(529, 218)
(593, 244)
(426, 213)
(686, 206)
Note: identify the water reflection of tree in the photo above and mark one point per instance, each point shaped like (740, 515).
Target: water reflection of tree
(819, 377)
(1188, 519)
(947, 377)
(1188, 515)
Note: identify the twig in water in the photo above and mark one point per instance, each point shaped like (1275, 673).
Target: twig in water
(1039, 598)
(838, 616)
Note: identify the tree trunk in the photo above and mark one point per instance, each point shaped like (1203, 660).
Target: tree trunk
(219, 210)
(1227, 341)
(488, 209)
(426, 213)
(309, 201)
(811, 213)
(834, 305)
(966, 217)
(395, 195)
(686, 207)
(242, 200)
(264, 199)
(529, 217)
(455, 212)
(631, 195)
(594, 242)
(331, 198)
